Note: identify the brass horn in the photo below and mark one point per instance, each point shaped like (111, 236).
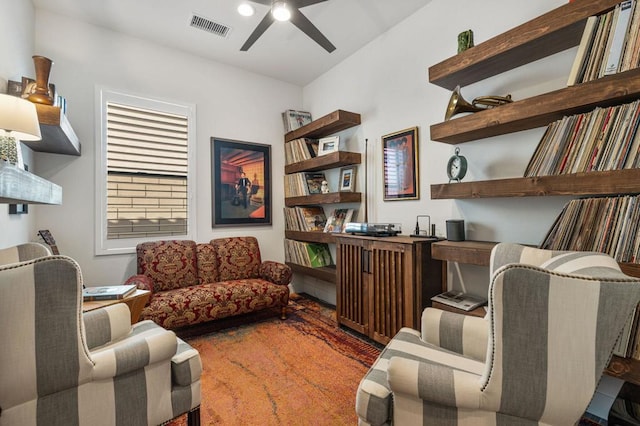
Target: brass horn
(457, 104)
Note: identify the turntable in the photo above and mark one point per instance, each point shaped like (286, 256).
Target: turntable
(373, 229)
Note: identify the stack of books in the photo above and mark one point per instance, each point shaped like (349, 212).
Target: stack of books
(305, 218)
(312, 255)
(610, 44)
(303, 183)
(109, 292)
(602, 139)
(300, 149)
(608, 225)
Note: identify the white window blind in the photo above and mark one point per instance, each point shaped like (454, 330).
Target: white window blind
(147, 171)
(145, 141)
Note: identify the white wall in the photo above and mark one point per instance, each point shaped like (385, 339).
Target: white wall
(387, 82)
(16, 49)
(230, 103)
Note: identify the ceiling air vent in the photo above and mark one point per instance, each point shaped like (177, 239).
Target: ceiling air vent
(210, 26)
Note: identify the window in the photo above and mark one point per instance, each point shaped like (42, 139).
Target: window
(144, 171)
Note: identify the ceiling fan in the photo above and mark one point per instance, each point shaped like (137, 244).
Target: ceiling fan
(297, 18)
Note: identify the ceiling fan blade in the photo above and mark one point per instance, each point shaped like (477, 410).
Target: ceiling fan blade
(260, 29)
(303, 3)
(265, 2)
(302, 22)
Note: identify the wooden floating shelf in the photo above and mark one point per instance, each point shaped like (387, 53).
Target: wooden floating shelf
(625, 181)
(18, 186)
(325, 273)
(468, 252)
(543, 36)
(479, 253)
(324, 162)
(58, 136)
(335, 122)
(330, 198)
(541, 110)
(311, 237)
(627, 369)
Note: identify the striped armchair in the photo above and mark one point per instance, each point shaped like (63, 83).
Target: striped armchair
(22, 252)
(60, 367)
(535, 359)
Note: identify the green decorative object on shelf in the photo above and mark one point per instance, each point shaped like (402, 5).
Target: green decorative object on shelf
(465, 40)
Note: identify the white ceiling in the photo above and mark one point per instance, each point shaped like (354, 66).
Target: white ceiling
(283, 51)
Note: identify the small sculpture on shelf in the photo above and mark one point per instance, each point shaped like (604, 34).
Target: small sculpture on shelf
(465, 40)
(41, 93)
(324, 187)
(457, 104)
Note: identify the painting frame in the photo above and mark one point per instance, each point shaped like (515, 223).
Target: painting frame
(348, 179)
(400, 165)
(239, 200)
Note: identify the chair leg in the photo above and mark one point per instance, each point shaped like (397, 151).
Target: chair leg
(283, 313)
(193, 418)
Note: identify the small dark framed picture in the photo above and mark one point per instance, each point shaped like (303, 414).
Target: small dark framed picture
(348, 179)
(18, 208)
(400, 158)
(241, 183)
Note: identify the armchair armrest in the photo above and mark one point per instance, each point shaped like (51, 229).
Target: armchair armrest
(107, 324)
(145, 345)
(463, 334)
(437, 383)
(276, 272)
(142, 282)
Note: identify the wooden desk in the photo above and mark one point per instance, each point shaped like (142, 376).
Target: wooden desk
(135, 301)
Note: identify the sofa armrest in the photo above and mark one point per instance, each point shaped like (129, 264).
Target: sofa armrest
(441, 384)
(142, 282)
(107, 324)
(463, 334)
(147, 344)
(276, 272)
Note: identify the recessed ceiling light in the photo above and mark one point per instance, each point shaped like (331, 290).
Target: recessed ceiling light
(245, 9)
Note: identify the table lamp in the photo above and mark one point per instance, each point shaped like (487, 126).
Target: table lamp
(18, 121)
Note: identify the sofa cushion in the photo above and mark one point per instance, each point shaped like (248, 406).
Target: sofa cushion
(207, 264)
(193, 305)
(170, 264)
(238, 258)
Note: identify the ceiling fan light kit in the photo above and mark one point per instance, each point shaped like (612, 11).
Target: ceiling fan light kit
(297, 18)
(245, 9)
(280, 11)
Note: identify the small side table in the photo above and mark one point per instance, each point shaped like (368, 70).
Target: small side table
(135, 301)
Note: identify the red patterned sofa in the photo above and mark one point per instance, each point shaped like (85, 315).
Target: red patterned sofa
(192, 283)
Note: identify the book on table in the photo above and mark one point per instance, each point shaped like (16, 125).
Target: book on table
(314, 182)
(107, 292)
(459, 300)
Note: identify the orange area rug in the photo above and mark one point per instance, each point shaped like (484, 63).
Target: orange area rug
(300, 371)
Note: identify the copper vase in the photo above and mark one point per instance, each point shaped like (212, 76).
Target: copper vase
(40, 94)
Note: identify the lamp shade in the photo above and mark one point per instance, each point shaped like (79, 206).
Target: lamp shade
(18, 117)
